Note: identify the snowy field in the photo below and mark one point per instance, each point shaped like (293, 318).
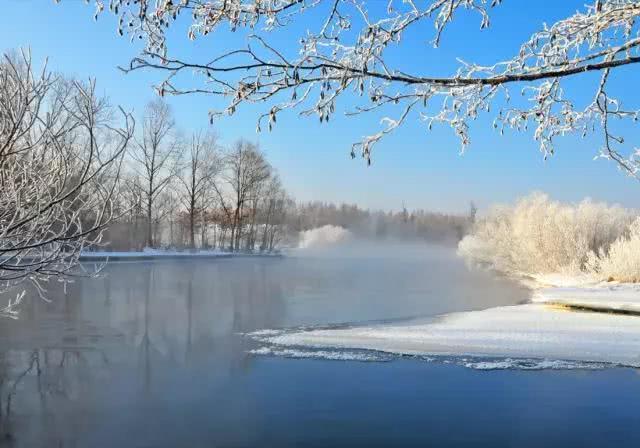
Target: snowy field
(562, 328)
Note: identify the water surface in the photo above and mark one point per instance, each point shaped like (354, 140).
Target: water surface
(154, 354)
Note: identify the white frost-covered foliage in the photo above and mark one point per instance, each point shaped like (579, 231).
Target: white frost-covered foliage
(342, 55)
(622, 261)
(61, 151)
(540, 236)
(324, 236)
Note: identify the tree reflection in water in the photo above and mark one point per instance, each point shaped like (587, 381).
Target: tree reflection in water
(153, 354)
(135, 329)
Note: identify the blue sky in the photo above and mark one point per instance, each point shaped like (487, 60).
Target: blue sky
(422, 169)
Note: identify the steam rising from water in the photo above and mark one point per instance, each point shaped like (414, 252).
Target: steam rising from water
(324, 237)
(337, 242)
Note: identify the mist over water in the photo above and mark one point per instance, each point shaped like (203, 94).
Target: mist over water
(337, 242)
(154, 353)
(324, 237)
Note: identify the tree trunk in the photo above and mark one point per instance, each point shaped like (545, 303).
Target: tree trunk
(149, 225)
(192, 224)
(203, 232)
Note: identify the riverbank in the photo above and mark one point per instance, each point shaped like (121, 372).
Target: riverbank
(158, 254)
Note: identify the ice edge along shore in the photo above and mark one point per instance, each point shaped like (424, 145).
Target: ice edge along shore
(542, 334)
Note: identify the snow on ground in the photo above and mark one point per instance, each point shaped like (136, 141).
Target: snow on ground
(530, 336)
(522, 331)
(604, 297)
(538, 281)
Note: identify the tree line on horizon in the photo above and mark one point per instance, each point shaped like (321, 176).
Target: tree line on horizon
(188, 191)
(233, 200)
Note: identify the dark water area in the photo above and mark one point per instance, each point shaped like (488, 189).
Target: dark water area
(153, 354)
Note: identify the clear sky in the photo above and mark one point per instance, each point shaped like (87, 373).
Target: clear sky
(422, 169)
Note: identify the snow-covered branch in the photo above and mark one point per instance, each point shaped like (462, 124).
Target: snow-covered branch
(346, 51)
(60, 161)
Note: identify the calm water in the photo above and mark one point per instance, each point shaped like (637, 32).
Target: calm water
(153, 355)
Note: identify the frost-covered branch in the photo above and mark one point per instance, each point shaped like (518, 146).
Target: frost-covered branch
(345, 51)
(60, 161)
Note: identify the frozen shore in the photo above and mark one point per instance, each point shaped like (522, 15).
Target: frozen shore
(159, 254)
(561, 326)
(613, 298)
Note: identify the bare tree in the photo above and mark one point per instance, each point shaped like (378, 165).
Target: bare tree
(345, 49)
(275, 202)
(156, 156)
(61, 151)
(246, 170)
(167, 207)
(202, 166)
(132, 203)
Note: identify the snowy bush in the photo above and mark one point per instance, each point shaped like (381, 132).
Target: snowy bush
(622, 261)
(541, 236)
(323, 237)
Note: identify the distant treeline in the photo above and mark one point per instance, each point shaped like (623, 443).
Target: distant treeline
(188, 191)
(376, 224)
(277, 222)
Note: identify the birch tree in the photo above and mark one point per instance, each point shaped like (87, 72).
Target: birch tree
(345, 50)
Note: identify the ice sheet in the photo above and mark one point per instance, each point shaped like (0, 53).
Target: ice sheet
(530, 331)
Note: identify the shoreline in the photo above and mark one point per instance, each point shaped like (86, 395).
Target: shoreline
(560, 326)
(168, 255)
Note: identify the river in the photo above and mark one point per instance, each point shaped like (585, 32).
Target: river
(155, 354)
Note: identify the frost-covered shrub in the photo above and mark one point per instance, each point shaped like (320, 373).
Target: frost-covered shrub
(622, 261)
(538, 235)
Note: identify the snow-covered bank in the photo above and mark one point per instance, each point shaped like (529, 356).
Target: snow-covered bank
(511, 333)
(158, 254)
(611, 298)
